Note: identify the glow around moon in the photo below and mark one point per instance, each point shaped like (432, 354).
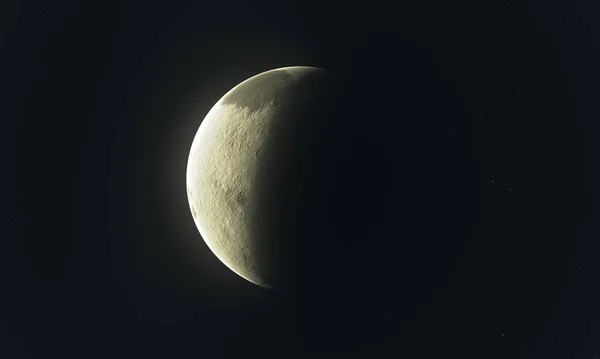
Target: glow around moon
(223, 166)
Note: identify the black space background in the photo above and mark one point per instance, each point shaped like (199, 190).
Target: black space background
(492, 106)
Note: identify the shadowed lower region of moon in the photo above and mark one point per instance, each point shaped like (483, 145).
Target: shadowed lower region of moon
(285, 189)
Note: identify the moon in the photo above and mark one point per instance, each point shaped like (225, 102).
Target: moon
(250, 172)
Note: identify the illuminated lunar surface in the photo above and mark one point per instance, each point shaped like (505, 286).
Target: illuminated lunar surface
(249, 166)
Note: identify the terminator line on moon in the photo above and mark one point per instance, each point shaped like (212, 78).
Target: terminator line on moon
(245, 143)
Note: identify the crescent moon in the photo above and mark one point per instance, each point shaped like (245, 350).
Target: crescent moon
(224, 161)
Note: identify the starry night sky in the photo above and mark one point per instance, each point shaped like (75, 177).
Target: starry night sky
(479, 143)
